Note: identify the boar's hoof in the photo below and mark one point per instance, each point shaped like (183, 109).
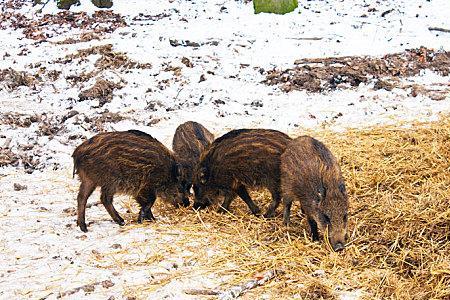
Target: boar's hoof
(338, 247)
(121, 222)
(83, 227)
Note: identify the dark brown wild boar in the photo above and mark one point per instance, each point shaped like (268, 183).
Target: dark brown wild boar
(189, 141)
(311, 175)
(129, 162)
(238, 160)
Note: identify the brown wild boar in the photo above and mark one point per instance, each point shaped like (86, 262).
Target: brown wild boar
(129, 162)
(189, 141)
(238, 160)
(311, 175)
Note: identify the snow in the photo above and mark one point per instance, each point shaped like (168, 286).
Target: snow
(41, 249)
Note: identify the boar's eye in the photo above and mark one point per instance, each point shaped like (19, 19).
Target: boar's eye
(321, 193)
(203, 175)
(342, 188)
(326, 219)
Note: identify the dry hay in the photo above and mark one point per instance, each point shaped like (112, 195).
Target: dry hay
(322, 74)
(398, 181)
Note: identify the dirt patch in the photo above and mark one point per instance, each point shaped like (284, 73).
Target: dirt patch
(324, 74)
(49, 26)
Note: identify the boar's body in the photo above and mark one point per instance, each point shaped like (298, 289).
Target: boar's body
(130, 162)
(310, 174)
(238, 160)
(189, 141)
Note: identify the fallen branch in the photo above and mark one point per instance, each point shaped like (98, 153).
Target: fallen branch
(438, 29)
(238, 290)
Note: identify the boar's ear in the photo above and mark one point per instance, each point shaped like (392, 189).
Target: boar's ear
(204, 175)
(177, 171)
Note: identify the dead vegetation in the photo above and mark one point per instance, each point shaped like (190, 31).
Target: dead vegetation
(324, 74)
(48, 26)
(397, 179)
(102, 91)
(12, 79)
(108, 60)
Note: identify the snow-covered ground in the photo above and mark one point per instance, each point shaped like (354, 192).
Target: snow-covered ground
(42, 252)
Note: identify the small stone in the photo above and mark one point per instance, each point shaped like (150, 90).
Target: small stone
(116, 246)
(107, 284)
(19, 187)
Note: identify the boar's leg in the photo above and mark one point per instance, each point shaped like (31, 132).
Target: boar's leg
(86, 189)
(225, 206)
(276, 199)
(287, 210)
(146, 199)
(106, 198)
(314, 232)
(242, 192)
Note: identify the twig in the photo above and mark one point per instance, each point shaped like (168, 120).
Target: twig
(201, 292)
(7, 143)
(238, 290)
(438, 29)
(179, 91)
(305, 38)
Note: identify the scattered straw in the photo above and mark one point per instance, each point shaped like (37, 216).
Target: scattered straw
(398, 179)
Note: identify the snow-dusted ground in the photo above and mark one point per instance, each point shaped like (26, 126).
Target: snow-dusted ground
(41, 251)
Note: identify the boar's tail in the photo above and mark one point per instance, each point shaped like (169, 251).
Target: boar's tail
(76, 163)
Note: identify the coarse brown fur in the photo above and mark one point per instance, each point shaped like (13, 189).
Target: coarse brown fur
(310, 174)
(189, 141)
(238, 160)
(129, 162)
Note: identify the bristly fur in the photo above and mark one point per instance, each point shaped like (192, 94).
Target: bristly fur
(189, 141)
(129, 162)
(310, 174)
(240, 159)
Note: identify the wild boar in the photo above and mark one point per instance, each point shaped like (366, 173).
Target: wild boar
(189, 141)
(129, 162)
(310, 174)
(240, 159)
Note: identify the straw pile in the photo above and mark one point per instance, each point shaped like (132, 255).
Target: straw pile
(398, 179)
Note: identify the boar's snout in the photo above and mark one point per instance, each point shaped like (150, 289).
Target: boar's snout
(339, 246)
(199, 205)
